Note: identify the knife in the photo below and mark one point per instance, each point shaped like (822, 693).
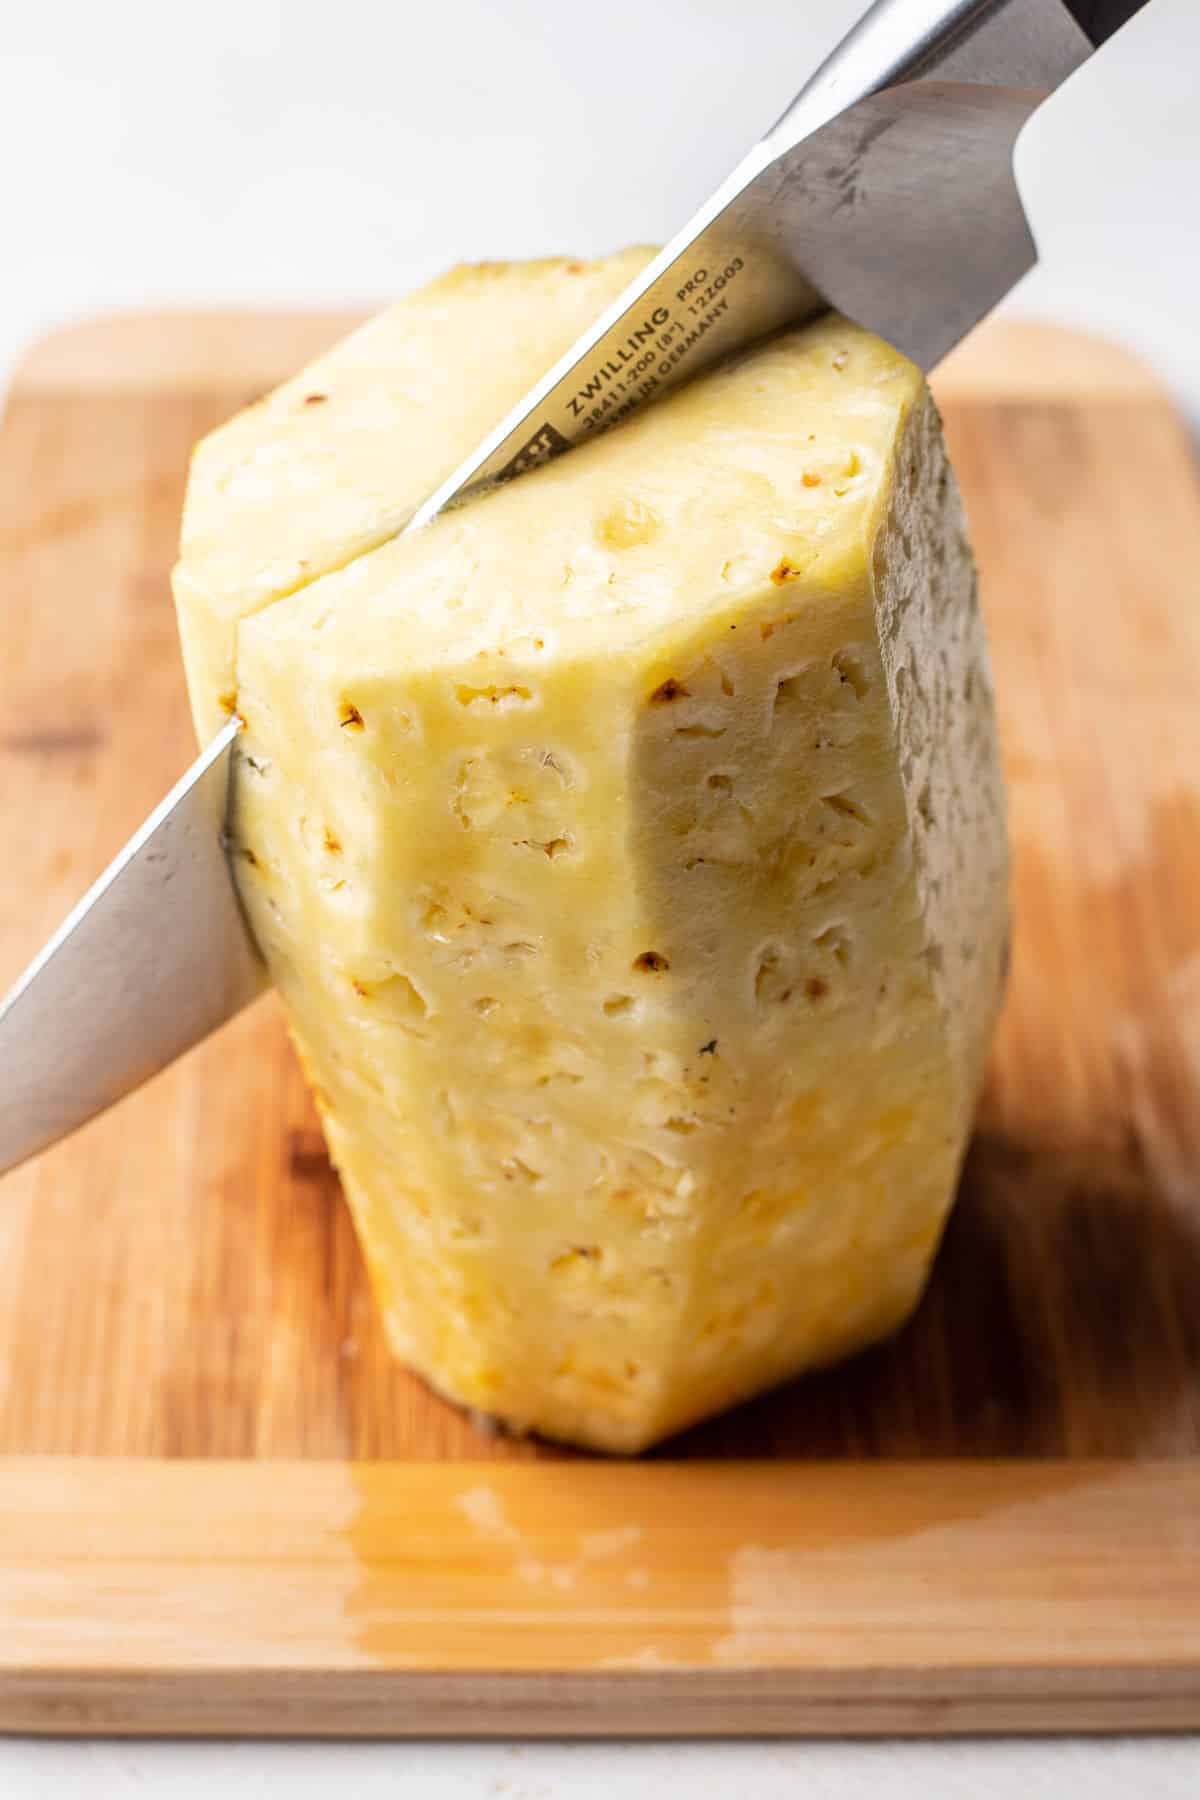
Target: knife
(886, 190)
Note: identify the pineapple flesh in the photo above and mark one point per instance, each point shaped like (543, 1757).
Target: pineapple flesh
(627, 847)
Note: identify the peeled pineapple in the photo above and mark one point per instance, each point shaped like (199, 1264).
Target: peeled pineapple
(627, 846)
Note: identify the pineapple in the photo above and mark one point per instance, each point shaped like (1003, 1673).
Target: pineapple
(627, 846)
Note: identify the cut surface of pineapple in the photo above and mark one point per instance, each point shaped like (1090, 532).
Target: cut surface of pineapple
(337, 459)
(628, 848)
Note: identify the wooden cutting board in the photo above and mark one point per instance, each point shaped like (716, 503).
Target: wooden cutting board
(222, 1508)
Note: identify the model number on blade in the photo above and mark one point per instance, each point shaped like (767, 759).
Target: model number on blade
(698, 292)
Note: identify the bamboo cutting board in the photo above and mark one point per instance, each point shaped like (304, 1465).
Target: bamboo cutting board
(222, 1508)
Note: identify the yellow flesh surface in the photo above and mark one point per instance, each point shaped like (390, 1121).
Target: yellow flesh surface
(628, 848)
(338, 459)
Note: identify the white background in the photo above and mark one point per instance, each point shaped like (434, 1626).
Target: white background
(252, 151)
(269, 151)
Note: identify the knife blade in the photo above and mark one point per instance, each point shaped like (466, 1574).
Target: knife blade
(886, 190)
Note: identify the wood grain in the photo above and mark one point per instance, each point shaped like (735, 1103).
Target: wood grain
(181, 1281)
(408, 1599)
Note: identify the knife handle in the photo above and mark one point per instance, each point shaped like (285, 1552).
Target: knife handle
(1034, 44)
(1100, 18)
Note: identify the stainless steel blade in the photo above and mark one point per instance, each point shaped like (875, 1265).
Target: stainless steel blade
(154, 957)
(886, 190)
